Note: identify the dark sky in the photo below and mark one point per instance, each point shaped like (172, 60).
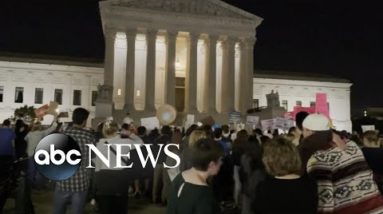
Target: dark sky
(336, 37)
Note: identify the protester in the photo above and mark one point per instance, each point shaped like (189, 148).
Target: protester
(240, 146)
(112, 197)
(73, 191)
(225, 175)
(295, 134)
(252, 172)
(185, 140)
(7, 137)
(146, 173)
(171, 173)
(33, 138)
(316, 136)
(185, 154)
(226, 136)
(374, 156)
(299, 118)
(21, 130)
(218, 138)
(190, 192)
(158, 194)
(286, 191)
(345, 182)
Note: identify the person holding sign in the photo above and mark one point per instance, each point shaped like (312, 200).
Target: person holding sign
(33, 138)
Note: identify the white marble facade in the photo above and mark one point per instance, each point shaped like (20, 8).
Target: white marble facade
(69, 76)
(31, 75)
(295, 90)
(153, 45)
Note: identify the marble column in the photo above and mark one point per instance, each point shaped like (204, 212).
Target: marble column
(110, 35)
(130, 59)
(229, 85)
(171, 72)
(151, 37)
(250, 71)
(191, 76)
(243, 78)
(205, 84)
(211, 78)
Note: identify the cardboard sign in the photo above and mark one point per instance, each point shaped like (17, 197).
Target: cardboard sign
(40, 112)
(234, 117)
(277, 123)
(368, 128)
(53, 106)
(47, 120)
(283, 123)
(267, 124)
(190, 119)
(252, 120)
(150, 123)
(321, 105)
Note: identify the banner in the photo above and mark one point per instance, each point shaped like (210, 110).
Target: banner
(277, 123)
(283, 123)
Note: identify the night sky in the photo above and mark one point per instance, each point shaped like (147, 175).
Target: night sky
(336, 37)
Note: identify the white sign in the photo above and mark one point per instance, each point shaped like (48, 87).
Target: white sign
(150, 123)
(234, 117)
(190, 119)
(47, 120)
(252, 120)
(283, 123)
(277, 123)
(267, 124)
(368, 128)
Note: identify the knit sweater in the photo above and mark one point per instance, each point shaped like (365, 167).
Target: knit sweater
(345, 182)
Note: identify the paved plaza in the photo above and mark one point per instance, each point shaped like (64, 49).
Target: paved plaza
(43, 201)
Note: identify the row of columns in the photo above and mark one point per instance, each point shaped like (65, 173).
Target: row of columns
(209, 95)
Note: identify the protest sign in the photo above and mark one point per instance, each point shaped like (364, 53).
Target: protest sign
(150, 123)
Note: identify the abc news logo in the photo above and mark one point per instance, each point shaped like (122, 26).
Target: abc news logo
(58, 156)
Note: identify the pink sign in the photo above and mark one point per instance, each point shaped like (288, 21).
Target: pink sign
(321, 105)
(297, 109)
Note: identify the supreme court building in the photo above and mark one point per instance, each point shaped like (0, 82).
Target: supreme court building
(196, 55)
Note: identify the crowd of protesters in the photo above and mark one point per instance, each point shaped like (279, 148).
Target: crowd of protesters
(310, 169)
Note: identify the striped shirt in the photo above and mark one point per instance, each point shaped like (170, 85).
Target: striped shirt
(79, 182)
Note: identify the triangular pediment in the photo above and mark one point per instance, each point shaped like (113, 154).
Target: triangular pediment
(195, 7)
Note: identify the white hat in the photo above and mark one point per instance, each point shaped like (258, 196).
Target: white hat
(127, 120)
(316, 122)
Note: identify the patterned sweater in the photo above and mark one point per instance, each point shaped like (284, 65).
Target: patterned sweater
(345, 182)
